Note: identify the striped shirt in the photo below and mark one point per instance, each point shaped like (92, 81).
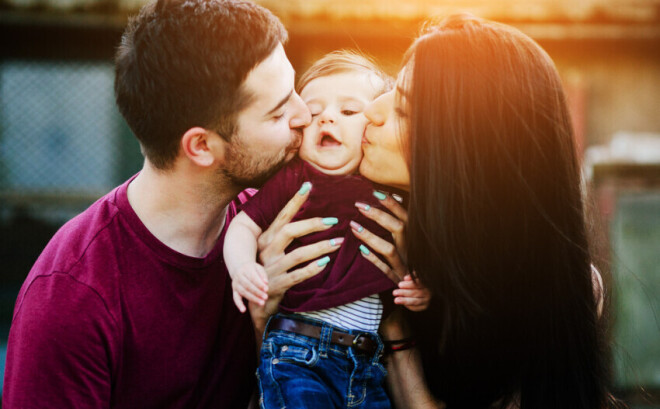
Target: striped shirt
(363, 315)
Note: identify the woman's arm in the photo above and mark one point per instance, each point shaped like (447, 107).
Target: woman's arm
(405, 377)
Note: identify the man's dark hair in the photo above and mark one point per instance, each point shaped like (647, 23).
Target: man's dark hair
(181, 63)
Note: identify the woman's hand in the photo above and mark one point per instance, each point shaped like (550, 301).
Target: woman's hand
(411, 293)
(395, 254)
(271, 245)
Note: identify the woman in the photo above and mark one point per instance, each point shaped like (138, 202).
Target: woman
(477, 131)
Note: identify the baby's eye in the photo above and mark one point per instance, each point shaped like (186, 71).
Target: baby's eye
(314, 113)
(349, 112)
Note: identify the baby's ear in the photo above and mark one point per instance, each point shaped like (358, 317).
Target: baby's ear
(202, 146)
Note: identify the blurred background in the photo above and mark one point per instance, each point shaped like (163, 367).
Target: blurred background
(63, 143)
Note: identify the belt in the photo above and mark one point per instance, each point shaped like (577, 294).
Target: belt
(361, 342)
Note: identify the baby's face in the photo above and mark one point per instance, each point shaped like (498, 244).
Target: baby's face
(332, 142)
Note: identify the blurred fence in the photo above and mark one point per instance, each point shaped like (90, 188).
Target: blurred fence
(62, 145)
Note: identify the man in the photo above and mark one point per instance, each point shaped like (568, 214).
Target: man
(130, 304)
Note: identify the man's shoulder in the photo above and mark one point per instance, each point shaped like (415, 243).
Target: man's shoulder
(73, 245)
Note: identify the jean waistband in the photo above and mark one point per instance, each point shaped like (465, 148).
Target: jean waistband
(362, 341)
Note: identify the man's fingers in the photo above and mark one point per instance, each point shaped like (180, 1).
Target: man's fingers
(392, 205)
(305, 253)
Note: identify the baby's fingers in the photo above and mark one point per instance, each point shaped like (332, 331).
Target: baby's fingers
(238, 301)
(412, 303)
(249, 291)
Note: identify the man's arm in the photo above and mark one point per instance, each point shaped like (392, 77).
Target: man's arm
(60, 348)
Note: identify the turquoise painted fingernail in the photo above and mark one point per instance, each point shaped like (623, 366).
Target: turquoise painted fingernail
(304, 188)
(330, 221)
(333, 242)
(380, 195)
(325, 260)
(366, 208)
(364, 250)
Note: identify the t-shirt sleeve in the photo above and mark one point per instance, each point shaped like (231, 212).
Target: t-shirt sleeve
(265, 205)
(60, 350)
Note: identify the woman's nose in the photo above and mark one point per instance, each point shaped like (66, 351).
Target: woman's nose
(374, 112)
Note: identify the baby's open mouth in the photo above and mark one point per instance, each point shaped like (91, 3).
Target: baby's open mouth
(328, 140)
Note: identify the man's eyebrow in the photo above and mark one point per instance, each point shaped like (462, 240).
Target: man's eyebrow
(281, 103)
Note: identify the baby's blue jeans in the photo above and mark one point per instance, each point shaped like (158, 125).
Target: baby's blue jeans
(296, 371)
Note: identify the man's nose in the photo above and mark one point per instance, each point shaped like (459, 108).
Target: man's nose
(301, 116)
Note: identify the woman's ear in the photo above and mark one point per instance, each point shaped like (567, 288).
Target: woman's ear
(202, 146)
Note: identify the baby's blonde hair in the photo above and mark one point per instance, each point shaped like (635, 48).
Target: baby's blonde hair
(342, 61)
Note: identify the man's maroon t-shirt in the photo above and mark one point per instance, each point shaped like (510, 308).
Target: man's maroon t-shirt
(111, 317)
(349, 276)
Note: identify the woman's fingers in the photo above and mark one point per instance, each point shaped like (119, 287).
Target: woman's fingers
(285, 215)
(392, 205)
(303, 254)
(394, 268)
(387, 270)
(273, 247)
(288, 280)
(388, 222)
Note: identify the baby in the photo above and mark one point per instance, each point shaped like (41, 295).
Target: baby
(322, 349)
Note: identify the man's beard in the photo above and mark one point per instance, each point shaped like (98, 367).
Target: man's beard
(245, 170)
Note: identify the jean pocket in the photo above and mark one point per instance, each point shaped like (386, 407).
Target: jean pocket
(299, 354)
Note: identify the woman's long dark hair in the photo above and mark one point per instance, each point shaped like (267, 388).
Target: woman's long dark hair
(496, 226)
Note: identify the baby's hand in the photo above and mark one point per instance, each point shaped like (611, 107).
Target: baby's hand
(249, 281)
(412, 294)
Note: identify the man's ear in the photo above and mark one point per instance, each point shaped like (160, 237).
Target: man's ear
(202, 146)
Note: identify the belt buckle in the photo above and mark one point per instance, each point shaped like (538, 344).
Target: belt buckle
(356, 339)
